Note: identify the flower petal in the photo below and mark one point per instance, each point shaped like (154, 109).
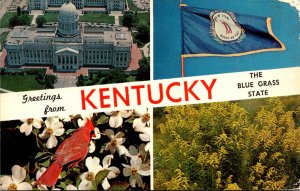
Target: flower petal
(93, 164)
(120, 141)
(40, 172)
(83, 175)
(58, 131)
(139, 180)
(105, 184)
(144, 137)
(81, 122)
(110, 133)
(148, 147)
(132, 181)
(37, 123)
(42, 187)
(144, 172)
(115, 121)
(71, 187)
(132, 150)
(51, 142)
(136, 162)
(5, 181)
(24, 186)
(18, 174)
(138, 124)
(141, 111)
(92, 147)
(107, 161)
(120, 135)
(25, 128)
(125, 113)
(126, 171)
(44, 134)
(97, 133)
(114, 172)
(85, 185)
(121, 149)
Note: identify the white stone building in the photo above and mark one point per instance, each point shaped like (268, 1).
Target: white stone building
(70, 45)
(111, 5)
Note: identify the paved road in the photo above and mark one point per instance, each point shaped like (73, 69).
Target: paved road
(64, 81)
(3, 8)
(116, 14)
(146, 49)
(35, 14)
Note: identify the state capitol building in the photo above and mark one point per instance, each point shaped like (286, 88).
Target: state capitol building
(69, 45)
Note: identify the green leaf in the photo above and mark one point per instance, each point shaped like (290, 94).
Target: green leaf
(40, 144)
(63, 174)
(46, 163)
(100, 176)
(103, 119)
(119, 186)
(130, 120)
(70, 131)
(35, 131)
(39, 154)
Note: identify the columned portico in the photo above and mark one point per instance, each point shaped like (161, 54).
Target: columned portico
(67, 59)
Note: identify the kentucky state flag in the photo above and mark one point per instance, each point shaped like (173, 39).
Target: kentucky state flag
(222, 33)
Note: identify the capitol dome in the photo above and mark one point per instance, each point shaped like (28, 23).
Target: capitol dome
(68, 19)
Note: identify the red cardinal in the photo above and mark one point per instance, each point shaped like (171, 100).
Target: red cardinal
(71, 151)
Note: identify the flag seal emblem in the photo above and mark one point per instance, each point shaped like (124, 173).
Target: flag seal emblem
(225, 28)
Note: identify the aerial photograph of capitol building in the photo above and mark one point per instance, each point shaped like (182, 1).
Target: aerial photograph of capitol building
(72, 39)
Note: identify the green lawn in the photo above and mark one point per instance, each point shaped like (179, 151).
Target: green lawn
(133, 7)
(121, 20)
(97, 18)
(4, 23)
(144, 17)
(51, 17)
(20, 83)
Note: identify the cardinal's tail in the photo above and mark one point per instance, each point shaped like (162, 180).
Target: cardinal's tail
(50, 176)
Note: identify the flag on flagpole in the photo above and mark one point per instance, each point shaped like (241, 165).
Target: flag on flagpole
(223, 33)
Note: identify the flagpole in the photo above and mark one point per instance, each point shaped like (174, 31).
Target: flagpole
(182, 57)
(182, 66)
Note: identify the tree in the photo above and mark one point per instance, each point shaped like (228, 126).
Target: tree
(18, 10)
(128, 19)
(22, 19)
(40, 21)
(50, 80)
(80, 80)
(143, 73)
(144, 32)
(115, 76)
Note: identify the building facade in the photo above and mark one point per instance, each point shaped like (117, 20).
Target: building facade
(69, 45)
(111, 5)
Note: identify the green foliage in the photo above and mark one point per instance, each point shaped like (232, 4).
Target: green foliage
(50, 80)
(22, 19)
(144, 32)
(18, 10)
(220, 146)
(40, 21)
(143, 73)
(51, 17)
(129, 19)
(4, 22)
(97, 18)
